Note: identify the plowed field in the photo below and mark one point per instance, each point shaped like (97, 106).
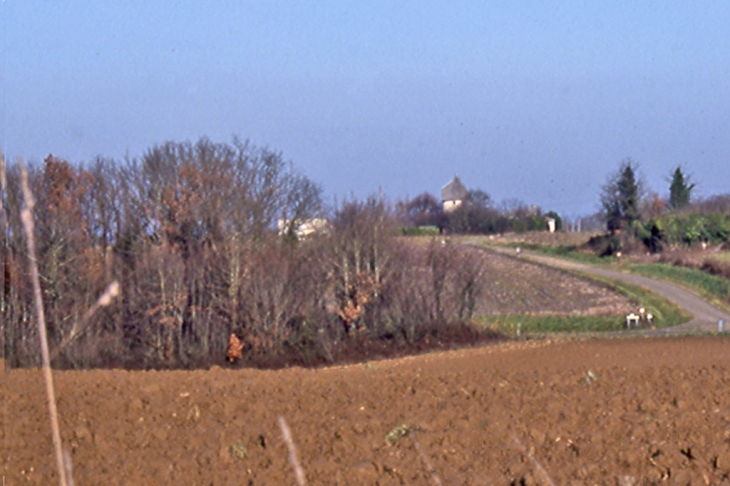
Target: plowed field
(622, 411)
(517, 286)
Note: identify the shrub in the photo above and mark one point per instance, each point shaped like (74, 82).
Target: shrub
(691, 228)
(685, 229)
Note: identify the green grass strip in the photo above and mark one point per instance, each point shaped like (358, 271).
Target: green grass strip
(508, 323)
(568, 253)
(666, 314)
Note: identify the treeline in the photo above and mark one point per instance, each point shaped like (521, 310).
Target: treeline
(202, 239)
(477, 214)
(636, 220)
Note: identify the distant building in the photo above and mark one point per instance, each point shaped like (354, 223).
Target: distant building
(306, 228)
(453, 194)
(551, 223)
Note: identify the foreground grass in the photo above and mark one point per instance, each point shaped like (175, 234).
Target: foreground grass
(666, 314)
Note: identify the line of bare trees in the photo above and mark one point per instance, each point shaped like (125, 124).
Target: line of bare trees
(190, 232)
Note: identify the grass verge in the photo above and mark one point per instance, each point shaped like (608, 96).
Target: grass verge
(712, 288)
(666, 314)
(720, 257)
(567, 253)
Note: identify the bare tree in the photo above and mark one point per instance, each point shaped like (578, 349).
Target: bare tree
(422, 210)
(4, 254)
(362, 233)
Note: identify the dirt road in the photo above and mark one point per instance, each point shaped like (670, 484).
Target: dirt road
(706, 316)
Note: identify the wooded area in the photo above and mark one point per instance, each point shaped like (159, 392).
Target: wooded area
(189, 231)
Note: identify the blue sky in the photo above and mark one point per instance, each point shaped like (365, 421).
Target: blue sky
(533, 100)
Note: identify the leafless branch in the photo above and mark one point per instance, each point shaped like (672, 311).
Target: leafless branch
(534, 461)
(106, 298)
(425, 460)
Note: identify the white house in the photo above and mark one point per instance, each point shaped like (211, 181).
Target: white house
(306, 228)
(550, 224)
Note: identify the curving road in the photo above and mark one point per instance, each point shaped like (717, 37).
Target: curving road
(706, 316)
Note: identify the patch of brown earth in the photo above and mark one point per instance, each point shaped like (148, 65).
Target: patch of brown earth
(639, 411)
(518, 286)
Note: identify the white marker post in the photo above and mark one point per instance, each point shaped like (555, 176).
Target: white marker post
(719, 325)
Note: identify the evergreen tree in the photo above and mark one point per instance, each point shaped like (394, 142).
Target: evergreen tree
(680, 190)
(621, 196)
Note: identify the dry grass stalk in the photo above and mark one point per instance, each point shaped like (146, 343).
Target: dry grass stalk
(534, 461)
(106, 298)
(293, 460)
(69, 468)
(425, 460)
(29, 227)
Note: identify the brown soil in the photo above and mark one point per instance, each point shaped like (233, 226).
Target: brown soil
(623, 411)
(518, 286)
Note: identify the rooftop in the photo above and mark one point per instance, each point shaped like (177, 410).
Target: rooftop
(454, 190)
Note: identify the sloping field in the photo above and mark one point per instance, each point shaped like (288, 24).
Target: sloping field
(623, 411)
(516, 286)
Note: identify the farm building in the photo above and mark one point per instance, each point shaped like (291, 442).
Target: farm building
(453, 194)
